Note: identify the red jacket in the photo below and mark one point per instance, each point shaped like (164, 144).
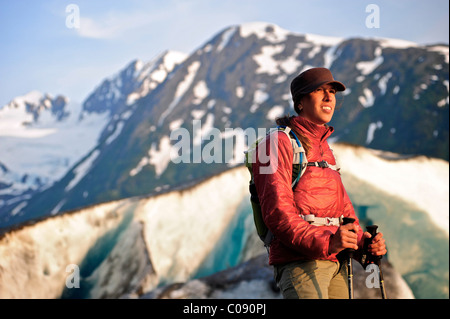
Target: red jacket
(319, 191)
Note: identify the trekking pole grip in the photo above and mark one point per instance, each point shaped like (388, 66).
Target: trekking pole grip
(349, 220)
(372, 230)
(368, 258)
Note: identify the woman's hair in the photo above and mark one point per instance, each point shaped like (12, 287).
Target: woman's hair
(297, 103)
(286, 121)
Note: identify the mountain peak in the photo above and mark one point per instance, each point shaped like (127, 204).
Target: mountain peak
(26, 109)
(275, 33)
(32, 97)
(135, 80)
(271, 32)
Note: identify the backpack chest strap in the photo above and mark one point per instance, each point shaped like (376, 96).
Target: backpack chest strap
(323, 164)
(322, 221)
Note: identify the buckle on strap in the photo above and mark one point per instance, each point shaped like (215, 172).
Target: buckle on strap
(331, 221)
(322, 221)
(322, 164)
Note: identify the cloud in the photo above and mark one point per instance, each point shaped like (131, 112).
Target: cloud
(112, 25)
(167, 18)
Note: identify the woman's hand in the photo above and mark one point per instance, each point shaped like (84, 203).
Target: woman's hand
(345, 237)
(378, 245)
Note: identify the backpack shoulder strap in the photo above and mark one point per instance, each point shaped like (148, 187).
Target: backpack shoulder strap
(299, 161)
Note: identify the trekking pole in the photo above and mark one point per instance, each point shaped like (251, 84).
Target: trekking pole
(383, 291)
(349, 252)
(375, 259)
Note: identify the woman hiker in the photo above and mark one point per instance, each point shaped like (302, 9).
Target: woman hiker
(307, 221)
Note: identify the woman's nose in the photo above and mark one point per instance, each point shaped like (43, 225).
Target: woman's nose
(327, 95)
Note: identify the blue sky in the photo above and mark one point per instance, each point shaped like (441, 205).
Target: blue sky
(40, 52)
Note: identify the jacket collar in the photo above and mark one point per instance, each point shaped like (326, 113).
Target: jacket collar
(312, 130)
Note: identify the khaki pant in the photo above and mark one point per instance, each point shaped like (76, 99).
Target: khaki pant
(313, 279)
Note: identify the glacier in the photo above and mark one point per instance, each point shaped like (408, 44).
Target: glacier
(138, 246)
(173, 234)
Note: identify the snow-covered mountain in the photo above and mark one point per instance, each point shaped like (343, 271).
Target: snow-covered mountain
(176, 244)
(397, 100)
(42, 138)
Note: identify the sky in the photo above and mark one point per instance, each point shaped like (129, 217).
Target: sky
(69, 47)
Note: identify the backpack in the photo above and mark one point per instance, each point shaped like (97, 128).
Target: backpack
(298, 168)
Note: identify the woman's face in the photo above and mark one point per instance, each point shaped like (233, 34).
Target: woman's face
(318, 106)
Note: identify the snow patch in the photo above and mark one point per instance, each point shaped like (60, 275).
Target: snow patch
(201, 91)
(160, 158)
(367, 67)
(267, 64)
(396, 43)
(197, 114)
(382, 83)
(117, 131)
(173, 58)
(275, 112)
(182, 88)
(368, 99)
(331, 55)
(259, 97)
(263, 30)
(290, 65)
(82, 169)
(444, 50)
(240, 91)
(202, 131)
(371, 131)
(176, 124)
(226, 36)
(323, 40)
